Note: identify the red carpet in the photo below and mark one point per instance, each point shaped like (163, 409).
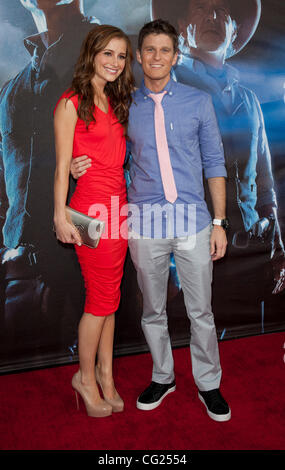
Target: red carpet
(38, 409)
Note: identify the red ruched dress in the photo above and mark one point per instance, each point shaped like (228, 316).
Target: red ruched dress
(101, 193)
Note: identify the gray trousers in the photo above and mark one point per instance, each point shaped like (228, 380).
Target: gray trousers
(194, 268)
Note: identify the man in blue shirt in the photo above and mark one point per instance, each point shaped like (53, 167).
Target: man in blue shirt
(182, 226)
(194, 144)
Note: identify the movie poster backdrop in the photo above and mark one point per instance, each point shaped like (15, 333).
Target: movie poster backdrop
(41, 288)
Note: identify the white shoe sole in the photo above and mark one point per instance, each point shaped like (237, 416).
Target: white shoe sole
(152, 406)
(214, 416)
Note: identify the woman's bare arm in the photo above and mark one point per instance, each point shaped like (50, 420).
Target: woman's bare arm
(65, 119)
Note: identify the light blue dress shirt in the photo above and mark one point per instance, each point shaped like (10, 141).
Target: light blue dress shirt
(195, 148)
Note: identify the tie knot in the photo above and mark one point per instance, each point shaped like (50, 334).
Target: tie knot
(157, 97)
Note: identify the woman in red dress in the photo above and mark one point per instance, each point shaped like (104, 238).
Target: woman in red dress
(91, 119)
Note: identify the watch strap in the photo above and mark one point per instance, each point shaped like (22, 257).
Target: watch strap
(218, 221)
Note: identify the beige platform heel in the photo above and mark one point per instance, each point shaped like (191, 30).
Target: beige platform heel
(116, 403)
(100, 409)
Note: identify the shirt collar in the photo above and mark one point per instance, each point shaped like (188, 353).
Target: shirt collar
(169, 87)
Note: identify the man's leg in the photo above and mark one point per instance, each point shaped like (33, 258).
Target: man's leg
(194, 267)
(151, 260)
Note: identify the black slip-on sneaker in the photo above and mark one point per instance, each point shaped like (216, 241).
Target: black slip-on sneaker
(216, 405)
(153, 395)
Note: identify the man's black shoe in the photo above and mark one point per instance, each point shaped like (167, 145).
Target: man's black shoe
(153, 395)
(217, 407)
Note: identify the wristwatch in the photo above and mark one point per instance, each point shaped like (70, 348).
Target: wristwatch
(222, 222)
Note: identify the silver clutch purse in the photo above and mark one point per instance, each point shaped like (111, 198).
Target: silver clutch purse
(90, 229)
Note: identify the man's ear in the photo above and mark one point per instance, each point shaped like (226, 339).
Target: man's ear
(174, 59)
(138, 54)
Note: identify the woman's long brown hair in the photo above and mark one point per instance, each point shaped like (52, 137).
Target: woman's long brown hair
(119, 91)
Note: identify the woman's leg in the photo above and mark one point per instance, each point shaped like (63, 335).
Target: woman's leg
(104, 368)
(105, 356)
(89, 333)
(84, 381)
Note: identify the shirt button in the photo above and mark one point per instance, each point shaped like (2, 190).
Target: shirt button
(145, 97)
(170, 93)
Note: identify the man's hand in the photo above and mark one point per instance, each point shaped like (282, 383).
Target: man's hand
(217, 187)
(260, 228)
(278, 264)
(79, 166)
(218, 243)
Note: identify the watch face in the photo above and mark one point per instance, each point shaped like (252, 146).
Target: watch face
(225, 223)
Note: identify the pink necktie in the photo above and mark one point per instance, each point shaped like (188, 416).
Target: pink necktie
(162, 149)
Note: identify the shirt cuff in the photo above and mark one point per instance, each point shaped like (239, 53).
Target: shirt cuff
(215, 172)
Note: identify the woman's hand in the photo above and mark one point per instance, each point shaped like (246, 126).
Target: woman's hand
(79, 166)
(67, 233)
